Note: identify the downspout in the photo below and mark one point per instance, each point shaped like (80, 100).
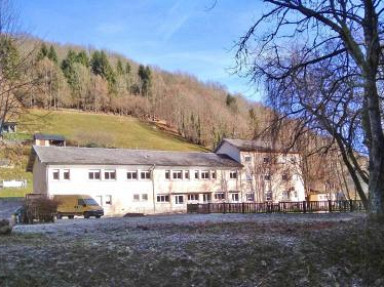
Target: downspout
(153, 187)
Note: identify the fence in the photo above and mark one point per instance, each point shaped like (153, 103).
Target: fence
(283, 207)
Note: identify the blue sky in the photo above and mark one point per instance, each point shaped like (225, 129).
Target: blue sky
(175, 35)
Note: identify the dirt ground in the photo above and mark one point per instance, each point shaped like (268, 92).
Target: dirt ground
(197, 250)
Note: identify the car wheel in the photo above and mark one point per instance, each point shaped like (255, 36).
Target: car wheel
(86, 215)
(98, 216)
(71, 216)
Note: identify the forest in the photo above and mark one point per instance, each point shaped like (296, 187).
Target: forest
(100, 81)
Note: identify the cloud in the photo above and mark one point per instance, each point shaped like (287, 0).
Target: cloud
(174, 20)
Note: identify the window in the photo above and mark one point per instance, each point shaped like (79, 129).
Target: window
(285, 176)
(110, 174)
(145, 175)
(214, 174)
(108, 199)
(167, 174)
(144, 197)
(177, 174)
(194, 197)
(266, 160)
(131, 174)
(250, 197)
(206, 197)
(233, 174)
(66, 174)
(295, 193)
(162, 198)
(219, 196)
(179, 199)
(94, 174)
(196, 174)
(136, 197)
(186, 174)
(205, 174)
(56, 174)
(235, 196)
(247, 158)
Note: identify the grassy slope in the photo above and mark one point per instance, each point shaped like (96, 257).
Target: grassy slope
(112, 131)
(87, 128)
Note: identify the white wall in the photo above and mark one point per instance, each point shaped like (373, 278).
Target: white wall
(122, 191)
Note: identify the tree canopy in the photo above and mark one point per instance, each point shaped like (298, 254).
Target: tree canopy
(321, 62)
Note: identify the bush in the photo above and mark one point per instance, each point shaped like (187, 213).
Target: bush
(5, 227)
(41, 209)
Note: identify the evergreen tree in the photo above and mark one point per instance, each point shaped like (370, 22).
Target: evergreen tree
(42, 53)
(67, 67)
(9, 58)
(52, 55)
(82, 58)
(100, 66)
(145, 75)
(127, 68)
(119, 68)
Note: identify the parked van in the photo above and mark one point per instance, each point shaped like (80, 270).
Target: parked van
(77, 204)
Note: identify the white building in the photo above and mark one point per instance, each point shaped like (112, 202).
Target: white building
(142, 181)
(268, 174)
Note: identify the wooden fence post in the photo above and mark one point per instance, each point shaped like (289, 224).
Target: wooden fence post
(351, 205)
(209, 207)
(242, 207)
(304, 206)
(330, 205)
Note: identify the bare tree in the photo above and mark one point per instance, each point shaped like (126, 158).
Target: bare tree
(15, 68)
(330, 80)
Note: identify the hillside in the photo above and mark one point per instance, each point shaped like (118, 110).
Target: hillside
(84, 129)
(85, 79)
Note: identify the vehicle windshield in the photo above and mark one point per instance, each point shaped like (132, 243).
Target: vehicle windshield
(90, 201)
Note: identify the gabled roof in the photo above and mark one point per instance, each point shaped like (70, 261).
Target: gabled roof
(48, 137)
(105, 156)
(255, 146)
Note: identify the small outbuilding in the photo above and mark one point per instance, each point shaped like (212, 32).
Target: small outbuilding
(48, 140)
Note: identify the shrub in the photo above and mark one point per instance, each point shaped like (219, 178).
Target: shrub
(41, 209)
(5, 227)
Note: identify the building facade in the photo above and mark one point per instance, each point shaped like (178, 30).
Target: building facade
(141, 181)
(268, 173)
(126, 181)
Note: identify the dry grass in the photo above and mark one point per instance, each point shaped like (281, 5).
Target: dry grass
(205, 250)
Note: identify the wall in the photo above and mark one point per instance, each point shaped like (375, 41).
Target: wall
(139, 195)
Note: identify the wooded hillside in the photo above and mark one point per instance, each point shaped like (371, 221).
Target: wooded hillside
(101, 81)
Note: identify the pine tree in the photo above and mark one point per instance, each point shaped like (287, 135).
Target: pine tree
(82, 58)
(119, 68)
(127, 68)
(42, 53)
(52, 55)
(145, 75)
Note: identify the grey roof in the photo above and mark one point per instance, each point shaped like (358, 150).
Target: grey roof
(48, 137)
(104, 156)
(255, 145)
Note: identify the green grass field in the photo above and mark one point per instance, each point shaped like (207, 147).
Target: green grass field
(83, 129)
(108, 130)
